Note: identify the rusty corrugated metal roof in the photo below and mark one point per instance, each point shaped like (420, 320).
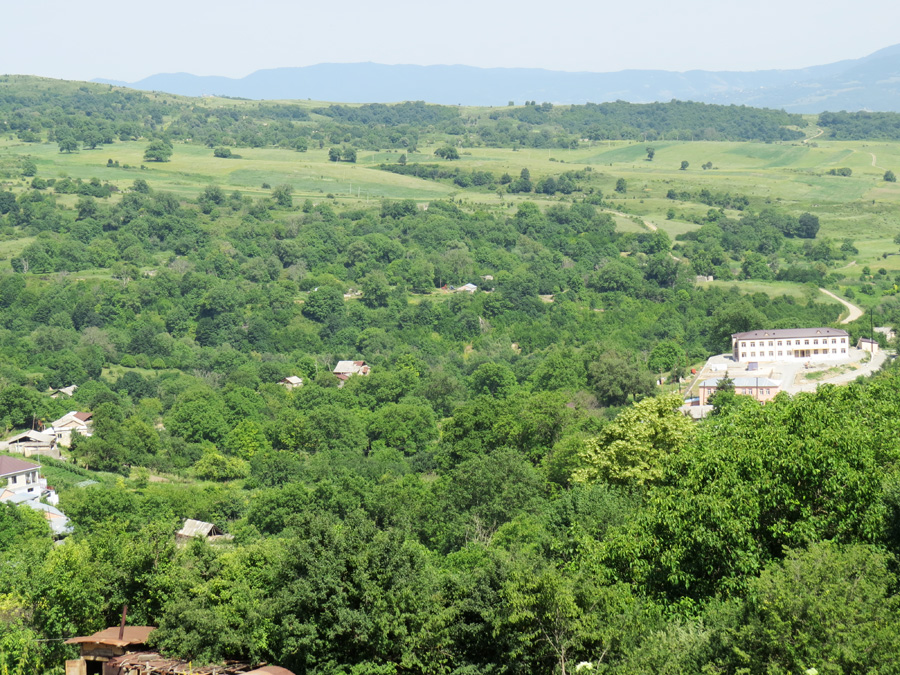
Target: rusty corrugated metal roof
(132, 635)
(153, 663)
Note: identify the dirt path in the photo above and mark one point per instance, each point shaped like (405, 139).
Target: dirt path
(855, 312)
(807, 140)
(650, 226)
(875, 159)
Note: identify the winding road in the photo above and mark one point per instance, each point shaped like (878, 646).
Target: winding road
(854, 311)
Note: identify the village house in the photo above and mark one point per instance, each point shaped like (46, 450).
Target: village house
(345, 369)
(790, 344)
(761, 388)
(867, 345)
(20, 477)
(123, 650)
(291, 382)
(32, 442)
(21, 484)
(68, 423)
(101, 647)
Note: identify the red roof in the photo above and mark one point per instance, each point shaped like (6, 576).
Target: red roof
(10, 465)
(133, 635)
(83, 416)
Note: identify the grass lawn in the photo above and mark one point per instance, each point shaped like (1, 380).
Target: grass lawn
(773, 289)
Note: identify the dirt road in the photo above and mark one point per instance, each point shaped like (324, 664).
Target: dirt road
(855, 312)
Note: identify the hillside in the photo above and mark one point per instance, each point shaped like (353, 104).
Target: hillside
(508, 486)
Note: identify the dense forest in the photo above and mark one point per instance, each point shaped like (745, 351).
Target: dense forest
(760, 540)
(861, 125)
(511, 489)
(94, 115)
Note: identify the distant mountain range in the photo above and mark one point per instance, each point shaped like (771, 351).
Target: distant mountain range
(868, 83)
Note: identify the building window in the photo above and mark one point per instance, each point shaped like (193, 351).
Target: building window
(779, 343)
(843, 350)
(790, 352)
(779, 353)
(752, 353)
(771, 344)
(743, 355)
(743, 344)
(806, 342)
(771, 353)
(752, 344)
(815, 342)
(834, 351)
(842, 340)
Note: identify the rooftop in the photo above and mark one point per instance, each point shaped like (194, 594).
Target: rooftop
(743, 382)
(153, 663)
(778, 333)
(132, 635)
(198, 528)
(11, 465)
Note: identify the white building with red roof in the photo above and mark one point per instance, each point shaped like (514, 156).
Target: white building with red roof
(67, 424)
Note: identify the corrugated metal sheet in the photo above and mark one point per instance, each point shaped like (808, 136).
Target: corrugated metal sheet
(133, 635)
(152, 663)
(198, 528)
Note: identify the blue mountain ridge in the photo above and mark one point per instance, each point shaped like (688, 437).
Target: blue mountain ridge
(868, 83)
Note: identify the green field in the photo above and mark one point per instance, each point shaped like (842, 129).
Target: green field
(787, 175)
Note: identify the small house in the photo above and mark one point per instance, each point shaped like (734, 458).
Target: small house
(867, 345)
(99, 648)
(32, 442)
(291, 382)
(70, 422)
(65, 391)
(468, 288)
(18, 476)
(346, 369)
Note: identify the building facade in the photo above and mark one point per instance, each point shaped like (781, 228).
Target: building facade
(761, 388)
(790, 344)
(67, 424)
(18, 476)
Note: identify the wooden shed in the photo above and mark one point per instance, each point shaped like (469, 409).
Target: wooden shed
(198, 528)
(108, 644)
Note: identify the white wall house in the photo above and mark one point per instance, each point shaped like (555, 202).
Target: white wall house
(791, 344)
(18, 476)
(71, 421)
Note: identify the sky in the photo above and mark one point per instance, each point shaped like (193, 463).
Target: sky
(131, 40)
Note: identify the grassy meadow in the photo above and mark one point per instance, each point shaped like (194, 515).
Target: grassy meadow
(790, 175)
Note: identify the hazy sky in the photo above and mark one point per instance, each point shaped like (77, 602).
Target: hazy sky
(129, 40)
